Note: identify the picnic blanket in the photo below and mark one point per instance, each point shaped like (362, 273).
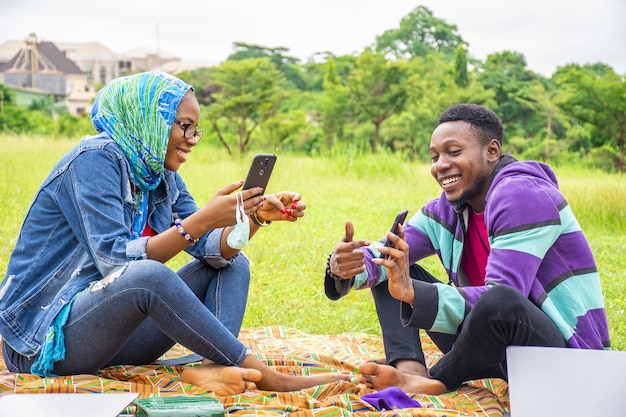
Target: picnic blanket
(287, 350)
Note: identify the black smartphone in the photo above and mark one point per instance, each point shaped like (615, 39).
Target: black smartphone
(400, 218)
(260, 171)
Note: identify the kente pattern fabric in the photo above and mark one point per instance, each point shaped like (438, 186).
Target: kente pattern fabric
(290, 351)
(138, 112)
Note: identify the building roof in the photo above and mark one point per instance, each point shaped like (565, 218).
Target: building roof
(145, 52)
(86, 50)
(9, 48)
(49, 59)
(176, 67)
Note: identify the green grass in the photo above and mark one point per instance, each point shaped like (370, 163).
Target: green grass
(288, 260)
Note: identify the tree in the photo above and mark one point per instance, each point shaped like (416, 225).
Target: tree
(315, 71)
(595, 94)
(506, 74)
(203, 85)
(334, 105)
(281, 128)
(250, 92)
(431, 88)
(6, 99)
(543, 101)
(378, 89)
(286, 64)
(420, 33)
(461, 78)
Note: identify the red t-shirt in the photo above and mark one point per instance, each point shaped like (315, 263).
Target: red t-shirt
(475, 249)
(148, 231)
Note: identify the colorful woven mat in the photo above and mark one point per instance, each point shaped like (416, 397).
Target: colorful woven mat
(286, 350)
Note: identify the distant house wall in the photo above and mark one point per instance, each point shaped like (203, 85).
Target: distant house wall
(54, 84)
(76, 82)
(100, 71)
(149, 62)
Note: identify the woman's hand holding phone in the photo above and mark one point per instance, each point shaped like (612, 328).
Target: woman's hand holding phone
(220, 210)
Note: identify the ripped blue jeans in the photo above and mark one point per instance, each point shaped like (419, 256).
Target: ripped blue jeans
(138, 316)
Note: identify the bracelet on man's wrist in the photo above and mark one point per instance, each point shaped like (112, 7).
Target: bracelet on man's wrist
(192, 240)
(328, 270)
(258, 222)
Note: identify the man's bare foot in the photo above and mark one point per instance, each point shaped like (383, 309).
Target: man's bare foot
(382, 376)
(381, 361)
(411, 367)
(220, 379)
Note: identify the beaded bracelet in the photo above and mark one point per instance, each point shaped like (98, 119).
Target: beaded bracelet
(192, 240)
(328, 270)
(258, 222)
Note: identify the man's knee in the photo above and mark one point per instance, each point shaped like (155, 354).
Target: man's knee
(501, 300)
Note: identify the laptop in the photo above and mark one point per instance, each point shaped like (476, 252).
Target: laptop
(65, 405)
(555, 382)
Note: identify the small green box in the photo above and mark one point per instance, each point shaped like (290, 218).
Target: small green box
(179, 406)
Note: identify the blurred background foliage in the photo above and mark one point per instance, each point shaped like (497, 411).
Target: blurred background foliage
(389, 96)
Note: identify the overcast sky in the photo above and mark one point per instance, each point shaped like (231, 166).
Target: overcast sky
(549, 33)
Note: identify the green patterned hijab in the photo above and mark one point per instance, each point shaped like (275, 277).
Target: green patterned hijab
(138, 112)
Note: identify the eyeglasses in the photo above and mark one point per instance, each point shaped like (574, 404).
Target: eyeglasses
(189, 133)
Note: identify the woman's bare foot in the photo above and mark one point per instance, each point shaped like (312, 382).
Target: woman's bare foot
(253, 374)
(382, 376)
(220, 379)
(273, 380)
(284, 382)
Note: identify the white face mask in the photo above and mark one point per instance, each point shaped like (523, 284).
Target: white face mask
(238, 237)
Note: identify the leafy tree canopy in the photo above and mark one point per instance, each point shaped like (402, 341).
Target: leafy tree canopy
(378, 89)
(286, 64)
(250, 92)
(595, 94)
(420, 33)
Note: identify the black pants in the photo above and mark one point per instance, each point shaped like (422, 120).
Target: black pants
(501, 317)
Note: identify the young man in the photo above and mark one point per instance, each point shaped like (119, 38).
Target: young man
(520, 270)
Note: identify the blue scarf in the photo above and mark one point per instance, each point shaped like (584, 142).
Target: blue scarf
(138, 112)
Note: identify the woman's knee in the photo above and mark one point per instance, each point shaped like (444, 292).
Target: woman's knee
(241, 263)
(146, 273)
(240, 267)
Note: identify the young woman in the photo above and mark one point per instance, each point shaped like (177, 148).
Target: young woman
(86, 285)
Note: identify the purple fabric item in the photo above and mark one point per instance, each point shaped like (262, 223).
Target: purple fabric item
(390, 398)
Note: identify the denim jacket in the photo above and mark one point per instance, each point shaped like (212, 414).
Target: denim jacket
(77, 231)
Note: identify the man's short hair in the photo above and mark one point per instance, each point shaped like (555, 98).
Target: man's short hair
(485, 122)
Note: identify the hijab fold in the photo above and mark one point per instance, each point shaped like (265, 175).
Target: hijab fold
(138, 112)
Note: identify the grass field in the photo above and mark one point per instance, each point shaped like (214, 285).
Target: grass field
(288, 260)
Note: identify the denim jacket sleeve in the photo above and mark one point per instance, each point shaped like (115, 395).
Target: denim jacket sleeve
(75, 232)
(96, 197)
(172, 200)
